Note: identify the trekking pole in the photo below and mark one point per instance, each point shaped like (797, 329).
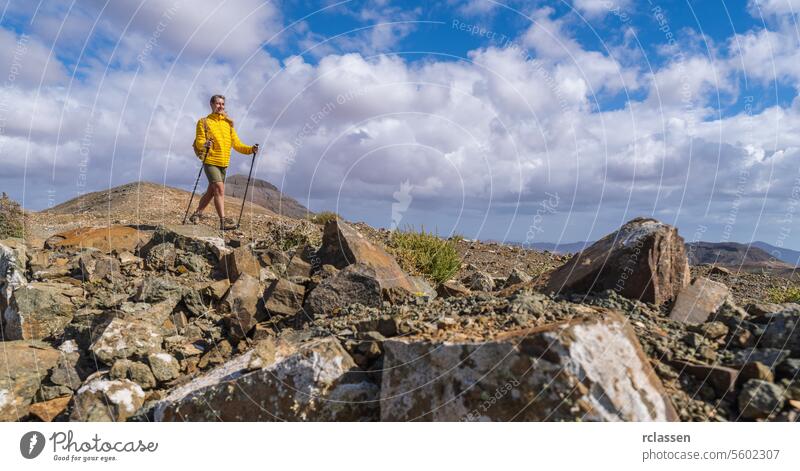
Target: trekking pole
(195, 184)
(244, 197)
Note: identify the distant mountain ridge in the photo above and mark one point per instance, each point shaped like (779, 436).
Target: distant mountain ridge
(267, 195)
(720, 253)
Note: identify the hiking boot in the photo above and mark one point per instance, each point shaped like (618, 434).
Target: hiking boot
(195, 218)
(227, 224)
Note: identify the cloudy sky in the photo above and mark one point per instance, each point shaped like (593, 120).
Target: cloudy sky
(522, 121)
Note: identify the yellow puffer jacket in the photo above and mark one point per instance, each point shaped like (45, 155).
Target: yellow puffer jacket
(220, 129)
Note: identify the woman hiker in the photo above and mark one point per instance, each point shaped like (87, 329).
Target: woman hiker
(215, 133)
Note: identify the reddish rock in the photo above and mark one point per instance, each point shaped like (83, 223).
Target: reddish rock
(242, 260)
(48, 410)
(721, 378)
(110, 238)
(342, 245)
(24, 364)
(645, 259)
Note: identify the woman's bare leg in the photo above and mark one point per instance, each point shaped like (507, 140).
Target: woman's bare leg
(207, 196)
(219, 199)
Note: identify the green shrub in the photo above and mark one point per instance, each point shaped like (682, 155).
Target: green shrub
(425, 253)
(786, 294)
(10, 218)
(323, 217)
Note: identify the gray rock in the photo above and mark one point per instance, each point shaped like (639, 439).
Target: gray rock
(517, 276)
(699, 301)
(161, 257)
(590, 368)
(758, 399)
(198, 239)
(193, 262)
(277, 381)
(789, 368)
(783, 331)
(479, 281)
(768, 356)
(38, 310)
(155, 289)
(356, 283)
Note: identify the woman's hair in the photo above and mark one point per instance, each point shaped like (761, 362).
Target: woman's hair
(211, 101)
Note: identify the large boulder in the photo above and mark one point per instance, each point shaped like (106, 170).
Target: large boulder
(342, 245)
(39, 310)
(645, 259)
(107, 400)
(106, 239)
(357, 283)
(699, 301)
(589, 368)
(279, 380)
(23, 366)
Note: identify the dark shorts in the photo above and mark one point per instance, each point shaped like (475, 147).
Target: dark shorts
(215, 174)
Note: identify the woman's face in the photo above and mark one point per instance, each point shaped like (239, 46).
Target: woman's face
(218, 106)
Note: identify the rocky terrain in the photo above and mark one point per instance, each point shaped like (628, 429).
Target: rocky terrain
(126, 318)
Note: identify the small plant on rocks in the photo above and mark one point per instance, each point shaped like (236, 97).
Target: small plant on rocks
(324, 217)
(10, 218)
(425, 253)
(785, 294)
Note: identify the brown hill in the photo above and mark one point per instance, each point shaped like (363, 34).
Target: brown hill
(267, 195)
(137, 203)
(731, 254)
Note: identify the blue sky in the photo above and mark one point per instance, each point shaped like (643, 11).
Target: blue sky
(524, 121)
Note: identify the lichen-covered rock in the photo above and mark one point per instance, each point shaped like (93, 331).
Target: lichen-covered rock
(645, 259)
(154, 289)
(38, 310)
(277, 381)
(23, 366)
(12, 269)
(125, 339)
(590, 368)
(106, 400)
(164, 366)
